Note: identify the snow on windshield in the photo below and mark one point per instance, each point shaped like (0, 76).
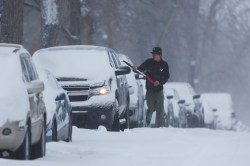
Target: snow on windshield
(13, 96)
(86, 64)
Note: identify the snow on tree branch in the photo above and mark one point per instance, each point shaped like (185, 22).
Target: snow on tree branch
(50, 12)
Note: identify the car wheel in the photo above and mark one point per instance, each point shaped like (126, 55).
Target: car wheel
(39, 149)
(54, 131)
(23, 153)
(69, 139)
(116, 122)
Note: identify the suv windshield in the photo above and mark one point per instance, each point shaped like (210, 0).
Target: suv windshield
(75, 65)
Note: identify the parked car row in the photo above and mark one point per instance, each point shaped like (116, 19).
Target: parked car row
(86, 86)
(186, 109)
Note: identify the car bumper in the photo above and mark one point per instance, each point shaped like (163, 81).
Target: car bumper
(93, 113)
(13, 140)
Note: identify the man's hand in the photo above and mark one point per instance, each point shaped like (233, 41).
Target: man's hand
(134, 68)
(156, 83)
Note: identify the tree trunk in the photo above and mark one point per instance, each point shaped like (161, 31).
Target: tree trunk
(86, 23)
(75, 14)
(12, 21)
(49, 23)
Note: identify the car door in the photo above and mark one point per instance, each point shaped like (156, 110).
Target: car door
(62, 114)
(121, 84)
(35, 99)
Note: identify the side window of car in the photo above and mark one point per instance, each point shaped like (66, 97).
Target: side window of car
(28, 68)
(111, 60)
(53, 81)
(117, 61)
(25, 72)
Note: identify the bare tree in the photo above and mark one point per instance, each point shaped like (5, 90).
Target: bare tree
(81, 25)
(49, 22)
(12, 21)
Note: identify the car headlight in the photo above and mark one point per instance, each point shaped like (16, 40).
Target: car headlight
(100, 91)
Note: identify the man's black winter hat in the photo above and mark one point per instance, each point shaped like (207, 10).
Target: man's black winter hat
(157, 50)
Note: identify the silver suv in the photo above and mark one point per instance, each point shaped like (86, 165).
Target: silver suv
(22, 109)
(95, 82)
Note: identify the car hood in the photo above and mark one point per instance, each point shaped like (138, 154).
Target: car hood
(89, 83)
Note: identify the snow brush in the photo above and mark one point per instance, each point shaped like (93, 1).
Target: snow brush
(150, 80)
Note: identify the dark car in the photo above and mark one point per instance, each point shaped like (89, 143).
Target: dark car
(22, 109)
(94, 80)
(59, 124)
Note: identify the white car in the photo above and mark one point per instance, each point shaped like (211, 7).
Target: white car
(58, 107)
(171, 106)
(222, 105)
(194, 108)
(22, 109)
(95, 82)
(136, 104)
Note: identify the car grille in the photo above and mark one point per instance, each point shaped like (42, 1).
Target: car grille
(77, 93)
(78, 98)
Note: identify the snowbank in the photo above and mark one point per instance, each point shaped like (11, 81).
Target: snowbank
(147, 147)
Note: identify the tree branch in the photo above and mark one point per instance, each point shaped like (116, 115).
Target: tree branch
(69, 34)
(32, 6)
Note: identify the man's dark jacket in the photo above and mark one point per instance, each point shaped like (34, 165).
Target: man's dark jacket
(158, 71)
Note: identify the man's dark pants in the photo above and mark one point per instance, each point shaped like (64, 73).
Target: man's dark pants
(155, 102)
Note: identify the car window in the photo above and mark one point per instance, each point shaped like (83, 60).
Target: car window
(25, 72)
(112, 64)
(117, 61)
(28, 68)
(53, 81)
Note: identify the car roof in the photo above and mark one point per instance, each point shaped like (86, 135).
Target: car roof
(10, 48)
(74, 47)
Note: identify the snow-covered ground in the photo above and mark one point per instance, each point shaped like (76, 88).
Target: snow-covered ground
(147, 147)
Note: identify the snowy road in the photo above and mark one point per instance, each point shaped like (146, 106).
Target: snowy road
(147, 147)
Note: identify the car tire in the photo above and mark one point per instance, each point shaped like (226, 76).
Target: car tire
(69, 139)
(24, 152)
(116, 121)
(54, 131)
(39, 149)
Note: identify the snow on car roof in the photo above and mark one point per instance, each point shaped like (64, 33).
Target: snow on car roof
(88, 62)
(74, 47)
(221, 101)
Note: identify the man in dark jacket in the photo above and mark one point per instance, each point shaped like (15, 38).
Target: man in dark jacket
(158, 70)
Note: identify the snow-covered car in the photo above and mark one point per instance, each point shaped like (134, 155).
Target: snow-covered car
(59, 124)
(136, 104)
(171, 107)
(193, 106)
(95, 82)
(22, 109)
(223, 115)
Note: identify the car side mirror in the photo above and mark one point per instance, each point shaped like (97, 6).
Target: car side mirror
(122, 70)
(35, 87)
(181, 102)
(138, 76)
(60, 97)
(197, 96)
(169, 97)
